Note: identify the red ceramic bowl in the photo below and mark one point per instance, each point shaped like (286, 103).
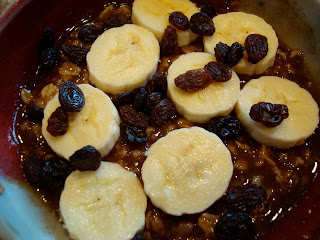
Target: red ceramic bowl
(22, 25)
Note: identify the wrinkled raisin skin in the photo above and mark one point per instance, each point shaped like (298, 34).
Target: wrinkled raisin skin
(219, 71)
(89, 33)
(202, 24)
(221, 51)
(179, 21)
(130, 116)
(169, 43)
(124, 98)
(140, 99)
(152, 100)
(229, 55)
(47, 40)
(234, 226)
(87, 158)
(133, 134)
(158, 83)
(71, 97)
(50, 174)
(75, 54)
(116, 20)
(271, 115)
(209, 10)
(58, 122)
(49, 58)
(35, 112)
(163, 112)
(245, 198)
(194, 80)
(228, 127)
(257, 47)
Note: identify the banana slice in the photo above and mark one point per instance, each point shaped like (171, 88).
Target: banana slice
(303, 111)
(123, 58)
(218, 99)
(97, 124)
(154, 16)
(235, 27)
(186, 171)
(105, 204)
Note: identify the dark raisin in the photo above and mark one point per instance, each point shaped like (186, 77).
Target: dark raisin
(219, 71)
(235, 54)
(35, 112)
(179, 21)
(245, 198)
(49, 58)
(169, 43)
(158, 83)
(124, 98)
(58, 122)
(221, 51)
(228, 127)
(130, 116)
(50, 174)
(234, 226)
(71, 97)
(89, 33)
(202, 24)
(194, 80)
(208, 9)
(163, 112)
(138, 236)
(133, 134)
(47, 40)
(75, 54)
(140, 99)
(87, 158)
(271, 115)
(152, 100)
(116, 20)
(257, 47)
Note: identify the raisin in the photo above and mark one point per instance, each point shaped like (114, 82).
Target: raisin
(208, 9)
(89, 33)
(130, 116)
(58, 122)
(202, 24)
(50, 174)
(271, 115)
(234, 226)
(124, 98)
(140, 99)
(35, 112)
(133, 134)
(75, 54)
(228, 127)
(219, 71)
(235, 54)
(47, 40)
(158, 83)
(257, 47)
(163, 112)
(179, 21)
(71, 97)
(221, 51)
(49, 58)
(194, 80)
(87, 158)
(138, 236)
(169, 42)
(116, 20)
(245, 198)
(152, 100)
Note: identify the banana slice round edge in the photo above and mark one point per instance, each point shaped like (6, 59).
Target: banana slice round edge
(154, 16)
(303, 111)
(97, 124)
(123, 58)
(218, 99)
(105, 204)
(235, 27)
(186, 171)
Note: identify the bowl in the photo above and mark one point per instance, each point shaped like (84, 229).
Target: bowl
(23, 215)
